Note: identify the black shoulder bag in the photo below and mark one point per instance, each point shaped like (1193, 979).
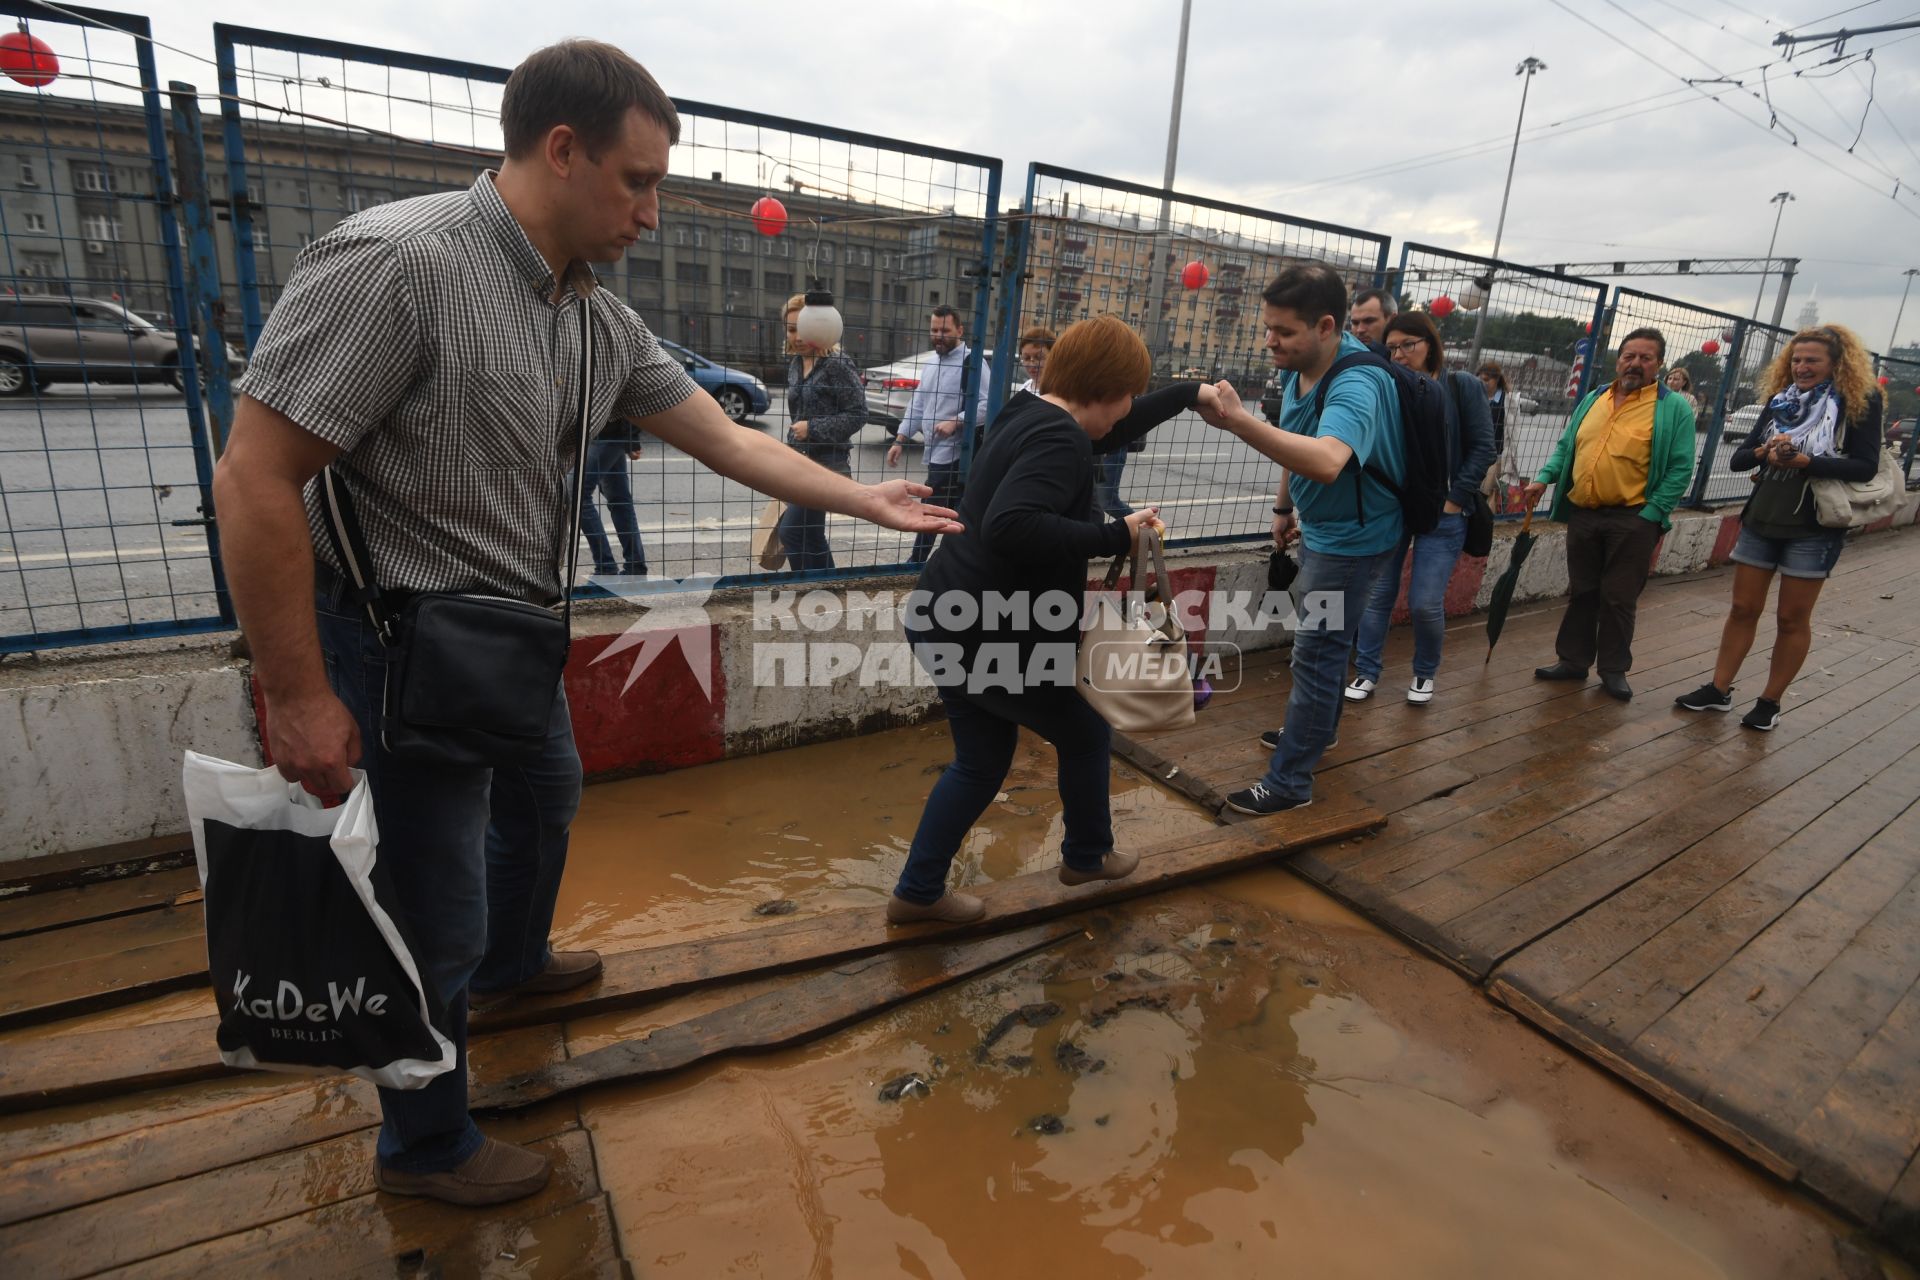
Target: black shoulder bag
(471, 678)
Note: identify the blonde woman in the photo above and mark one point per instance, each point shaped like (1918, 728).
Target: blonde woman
(826, 405)
(1822, 421)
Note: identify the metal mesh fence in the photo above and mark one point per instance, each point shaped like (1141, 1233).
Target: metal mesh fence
(1745, 376)
(1187, 273)
(1536, 326)
(1901, 390)
(1702, 344)
(754, 209)
(104, 462)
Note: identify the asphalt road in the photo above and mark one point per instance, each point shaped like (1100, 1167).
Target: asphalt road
(99, 499)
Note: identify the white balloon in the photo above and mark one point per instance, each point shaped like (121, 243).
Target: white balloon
(1473, 297)
(820, 324)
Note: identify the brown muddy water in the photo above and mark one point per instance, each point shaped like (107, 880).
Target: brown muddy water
(1243, 1079)
(1236, 1079)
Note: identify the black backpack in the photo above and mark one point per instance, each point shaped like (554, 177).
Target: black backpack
(1423, 440)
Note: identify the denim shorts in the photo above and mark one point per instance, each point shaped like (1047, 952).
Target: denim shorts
(1812, 556)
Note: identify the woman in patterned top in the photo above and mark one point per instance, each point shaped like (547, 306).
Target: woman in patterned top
(826, 404)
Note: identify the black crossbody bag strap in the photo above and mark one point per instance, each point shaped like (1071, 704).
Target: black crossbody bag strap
(350, 542)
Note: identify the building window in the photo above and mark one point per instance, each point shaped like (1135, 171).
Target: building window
(644, 268)
(690, 272)
(92, 178)
(779, 283)
(39, 266)
(826, 254)
(866, 257)
(99, 226)
(933, 299)
(29, 176)
(36, 222)
(359, 198)
(740, 242)
(965, 300)
(739, 277)
(859, 287)
(699, 237)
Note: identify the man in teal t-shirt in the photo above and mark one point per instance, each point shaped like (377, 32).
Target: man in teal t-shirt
(1322, 500)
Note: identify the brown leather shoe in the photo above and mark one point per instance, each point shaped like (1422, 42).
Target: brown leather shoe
(949, 908)
(494, 1174)
(1115, 866)
(565, 970)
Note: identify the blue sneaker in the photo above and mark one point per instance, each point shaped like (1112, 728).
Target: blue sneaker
(1260, 801)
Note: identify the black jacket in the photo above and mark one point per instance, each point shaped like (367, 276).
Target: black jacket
(832, 403)
(1857, 463)
(1028, 509)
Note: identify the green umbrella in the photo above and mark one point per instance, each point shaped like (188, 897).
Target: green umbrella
(1502, 598)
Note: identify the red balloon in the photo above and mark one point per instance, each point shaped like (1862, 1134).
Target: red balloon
(1194, 275)
(1711, 346)
(28, 59)
(1884, 379)
(1441, 307)
(769, 216)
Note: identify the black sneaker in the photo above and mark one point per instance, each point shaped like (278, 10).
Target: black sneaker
(1260, 802)
(1764, 716)
(1271, 740)
(1708, 697)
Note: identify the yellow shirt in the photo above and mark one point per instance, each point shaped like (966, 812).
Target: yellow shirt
(1612, 451)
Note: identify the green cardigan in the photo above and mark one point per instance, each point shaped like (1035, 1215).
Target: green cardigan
(1669, 470)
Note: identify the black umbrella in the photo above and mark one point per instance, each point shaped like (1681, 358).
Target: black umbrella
(1502, 598)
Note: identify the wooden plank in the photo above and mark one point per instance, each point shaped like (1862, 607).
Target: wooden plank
(792, 1014)
(172, 1216)
(1668, 931)
(353, 1228)
(97, 1064)
(101, 964)
(1734, 1006)
(1899, 1219)
(1582, 860)
(158, 1146)
(57, 908)
(23, 876)
(1861, 1136)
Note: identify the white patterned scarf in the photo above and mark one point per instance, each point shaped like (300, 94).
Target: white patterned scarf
(1809, 418)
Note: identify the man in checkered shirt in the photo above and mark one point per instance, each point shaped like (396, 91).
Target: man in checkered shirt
(430, 350)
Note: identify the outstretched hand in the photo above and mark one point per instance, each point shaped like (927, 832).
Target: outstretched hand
(895, 504)
(1224, 404)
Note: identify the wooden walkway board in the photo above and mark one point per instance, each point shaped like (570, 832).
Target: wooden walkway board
(99, 1064)
(1729, 919)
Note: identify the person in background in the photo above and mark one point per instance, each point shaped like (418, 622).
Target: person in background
(1411, 340)
(607, 458)
(1680, 380)
(937, 412)
(1822, 422)
(1372, 308)
(1494, 379)
(1031, 526)
(1621, 467)
(1035, 343)
(826, 405)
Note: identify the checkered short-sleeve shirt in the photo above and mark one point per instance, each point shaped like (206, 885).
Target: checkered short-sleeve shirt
(422, 338)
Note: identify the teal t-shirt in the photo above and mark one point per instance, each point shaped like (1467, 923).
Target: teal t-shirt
(1363, 413)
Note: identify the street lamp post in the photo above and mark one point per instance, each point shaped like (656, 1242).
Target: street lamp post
(1528, 68)
(1783, 200)
(1893, 337)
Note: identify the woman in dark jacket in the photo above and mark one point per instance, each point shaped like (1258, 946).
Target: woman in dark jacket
(1031, 527)
(826, 405)
(1412, 341)
(1822, 422)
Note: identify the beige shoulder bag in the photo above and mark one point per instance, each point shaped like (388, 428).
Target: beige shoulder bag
(1134, 670)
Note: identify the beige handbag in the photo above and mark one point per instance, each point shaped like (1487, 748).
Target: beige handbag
(1839, 504)
(1132, 670)
(767, 551)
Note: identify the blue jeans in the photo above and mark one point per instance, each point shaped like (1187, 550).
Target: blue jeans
(607, 472)
(944, 479)
(985, 728)
(1434, 555)
(1107, 470)
(476, 857)
(1320, 651)
(803, 533)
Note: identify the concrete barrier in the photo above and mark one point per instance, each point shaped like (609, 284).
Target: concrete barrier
(659, 684)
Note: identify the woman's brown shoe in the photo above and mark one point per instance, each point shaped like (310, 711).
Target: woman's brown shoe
(1115, 866)
(948, 908)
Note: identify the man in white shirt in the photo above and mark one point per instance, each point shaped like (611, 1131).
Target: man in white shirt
(937, 413)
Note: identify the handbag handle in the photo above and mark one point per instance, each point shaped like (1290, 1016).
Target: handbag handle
(350, 542)
(1150, 538)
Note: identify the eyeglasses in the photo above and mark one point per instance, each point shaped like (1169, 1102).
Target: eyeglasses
(1394, 349)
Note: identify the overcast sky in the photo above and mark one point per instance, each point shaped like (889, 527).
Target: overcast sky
(1287, 102)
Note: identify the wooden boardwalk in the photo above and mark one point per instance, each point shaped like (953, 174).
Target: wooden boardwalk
(1728, 919)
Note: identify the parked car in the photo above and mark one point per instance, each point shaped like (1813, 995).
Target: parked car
(1739, 423)
(741, 395)
(890, 387)
(48, 340)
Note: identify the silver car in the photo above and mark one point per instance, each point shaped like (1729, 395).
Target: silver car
(47, 340)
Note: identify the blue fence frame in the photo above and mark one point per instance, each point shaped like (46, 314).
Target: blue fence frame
(212, 608)
(972, 273)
